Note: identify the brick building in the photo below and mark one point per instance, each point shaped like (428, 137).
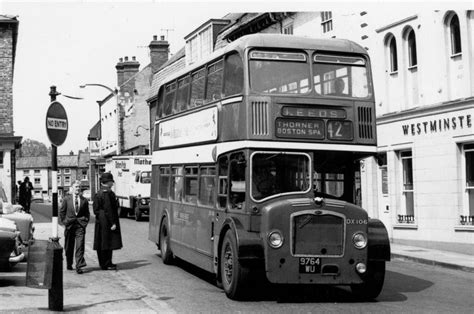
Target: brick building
(8, 141)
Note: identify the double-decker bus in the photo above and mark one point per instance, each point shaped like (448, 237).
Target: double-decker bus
(255, 165)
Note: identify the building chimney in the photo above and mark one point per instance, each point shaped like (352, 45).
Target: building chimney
(159, 50)
(130, 69)
(119, 68)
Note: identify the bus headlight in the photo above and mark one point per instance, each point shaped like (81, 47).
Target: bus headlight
(275, 239)
(360, 240)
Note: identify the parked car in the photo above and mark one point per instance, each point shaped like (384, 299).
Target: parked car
(16, 231)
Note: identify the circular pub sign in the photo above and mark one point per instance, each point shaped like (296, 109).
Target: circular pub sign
(56, 123)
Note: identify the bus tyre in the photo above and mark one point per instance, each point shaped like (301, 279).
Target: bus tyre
(234, 276)
(166, 253)
(373, 281)
(138, 213)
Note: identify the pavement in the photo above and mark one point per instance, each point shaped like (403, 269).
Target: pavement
(95, 291)
(98, 291)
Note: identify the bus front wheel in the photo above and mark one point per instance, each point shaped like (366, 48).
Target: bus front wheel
(373, 281)
(234, 276)
(166, 253)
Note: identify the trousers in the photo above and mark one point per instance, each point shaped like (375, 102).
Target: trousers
(105, 258)
(74, 243)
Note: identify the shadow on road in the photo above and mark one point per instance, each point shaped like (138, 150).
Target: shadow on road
(132, 264)
(396, 284)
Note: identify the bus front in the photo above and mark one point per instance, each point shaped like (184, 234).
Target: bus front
(312, 113)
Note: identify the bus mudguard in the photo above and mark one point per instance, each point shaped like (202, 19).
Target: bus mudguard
(249, 243)
(379, 242)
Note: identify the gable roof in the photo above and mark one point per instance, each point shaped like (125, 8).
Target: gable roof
(33, 162)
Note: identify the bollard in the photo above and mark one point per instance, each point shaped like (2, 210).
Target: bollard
(55, 293)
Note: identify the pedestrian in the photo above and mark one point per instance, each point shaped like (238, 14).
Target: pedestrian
(74, 214)
(25, 194)
(107, 235)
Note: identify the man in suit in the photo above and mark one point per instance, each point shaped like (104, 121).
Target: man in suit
(74, 214)
(25, 194)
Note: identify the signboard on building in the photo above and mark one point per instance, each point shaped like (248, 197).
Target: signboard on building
(196, 127)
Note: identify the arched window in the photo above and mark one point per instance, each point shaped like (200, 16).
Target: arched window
(392, 44)
(455, 33)
(411, 43)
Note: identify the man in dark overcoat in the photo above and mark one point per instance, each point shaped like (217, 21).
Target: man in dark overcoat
(107, 235)
(74, 214)
(25, 194)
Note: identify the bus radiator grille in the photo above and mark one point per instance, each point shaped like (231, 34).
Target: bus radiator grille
(318, 235)
(260, 118)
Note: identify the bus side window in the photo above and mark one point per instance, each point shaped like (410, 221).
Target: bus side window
(222, 188)
(237, 180)
(233, 75)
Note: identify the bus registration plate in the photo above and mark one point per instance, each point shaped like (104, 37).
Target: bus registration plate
(310, 265)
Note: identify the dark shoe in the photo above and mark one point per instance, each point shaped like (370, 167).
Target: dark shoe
(110, 267)
(69, 267)
(79, 271)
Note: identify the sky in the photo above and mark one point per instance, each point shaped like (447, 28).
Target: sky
(70, 43)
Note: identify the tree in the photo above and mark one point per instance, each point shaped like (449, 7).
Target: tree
(32, 148)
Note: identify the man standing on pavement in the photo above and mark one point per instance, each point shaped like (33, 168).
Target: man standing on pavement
(107, 235)
(25, 194)
(74, 214)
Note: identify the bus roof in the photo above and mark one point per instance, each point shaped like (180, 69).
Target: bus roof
(276, 41)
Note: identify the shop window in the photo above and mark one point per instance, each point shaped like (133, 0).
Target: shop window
(207, 186)
(468, 213)
(411, 44)
(191, 184)
(176, 188)
(407, 214)
(382, 162)
(164, 182)
(326, 21)
(234, 75)
(455, 35)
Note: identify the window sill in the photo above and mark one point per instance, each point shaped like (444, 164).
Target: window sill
(464, 228)
(394, 73)
(405, 226)
(413, 68)
(456, 55)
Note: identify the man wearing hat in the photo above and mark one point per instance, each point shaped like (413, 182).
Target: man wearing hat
(107, 235)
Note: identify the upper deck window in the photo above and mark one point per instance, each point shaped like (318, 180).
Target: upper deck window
(279, 72)
(341, 76)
